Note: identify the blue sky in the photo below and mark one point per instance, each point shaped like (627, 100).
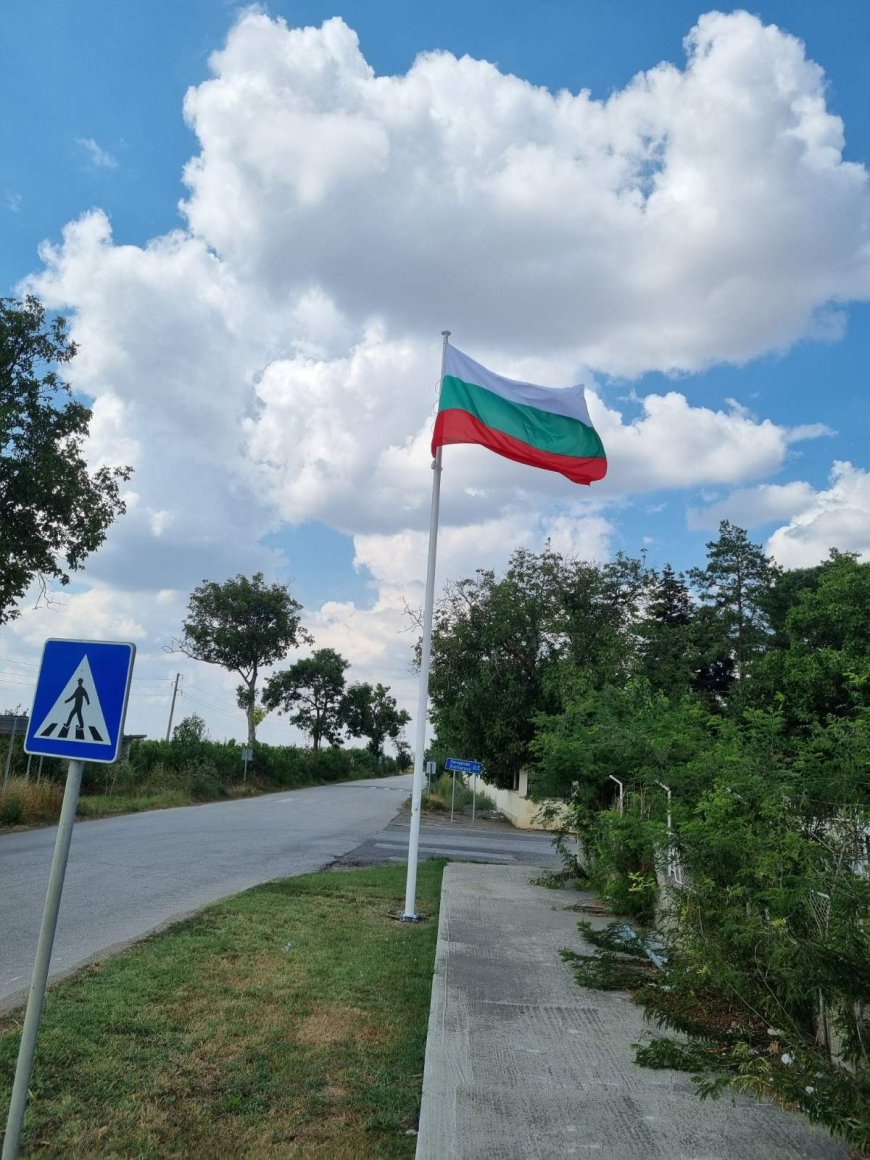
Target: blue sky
(206, 331)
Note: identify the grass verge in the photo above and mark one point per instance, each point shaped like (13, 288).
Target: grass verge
(287, 1021)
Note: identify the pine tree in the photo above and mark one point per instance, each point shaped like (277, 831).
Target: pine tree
(734, 588)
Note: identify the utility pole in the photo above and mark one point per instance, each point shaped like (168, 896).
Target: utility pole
(172, 706)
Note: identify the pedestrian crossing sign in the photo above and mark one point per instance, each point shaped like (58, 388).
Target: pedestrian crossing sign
(81, 699)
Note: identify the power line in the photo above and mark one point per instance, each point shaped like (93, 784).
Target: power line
(224, 716)
(212, 697)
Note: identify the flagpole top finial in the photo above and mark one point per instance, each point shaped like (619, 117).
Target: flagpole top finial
(446, 333)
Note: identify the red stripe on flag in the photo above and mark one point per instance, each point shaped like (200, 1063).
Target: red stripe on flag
(455, 426)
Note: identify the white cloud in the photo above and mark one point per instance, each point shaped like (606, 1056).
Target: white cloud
(277, 359)
(835, 518)
(99, 158)
(624, 230)
(749, 507)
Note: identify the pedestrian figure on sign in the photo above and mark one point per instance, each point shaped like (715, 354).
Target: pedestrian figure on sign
(78, 696)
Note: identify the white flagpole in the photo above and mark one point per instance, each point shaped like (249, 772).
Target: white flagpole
(410, 914)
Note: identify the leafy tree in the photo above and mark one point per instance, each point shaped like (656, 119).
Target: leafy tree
(53, 511)
(500, 646)
(823, 668)
(404, 758)
(371, 712)
(733, 587)
(782, 596)
(189, 730)
(243, 625)
(310, 693)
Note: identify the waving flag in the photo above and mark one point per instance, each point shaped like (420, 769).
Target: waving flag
(540, 426)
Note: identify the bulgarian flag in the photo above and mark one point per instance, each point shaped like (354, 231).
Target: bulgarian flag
(539, 426)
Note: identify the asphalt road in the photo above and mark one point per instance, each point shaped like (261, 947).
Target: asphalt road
(131, 875)
(485, 841)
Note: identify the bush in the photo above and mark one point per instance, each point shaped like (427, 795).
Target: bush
(621, 849)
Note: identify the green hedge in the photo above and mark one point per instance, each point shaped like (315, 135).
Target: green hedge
(208, 768)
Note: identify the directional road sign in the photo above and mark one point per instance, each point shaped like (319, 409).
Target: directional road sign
(462, 766)
(80, 699)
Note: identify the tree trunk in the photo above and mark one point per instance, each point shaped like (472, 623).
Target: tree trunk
(252, 705)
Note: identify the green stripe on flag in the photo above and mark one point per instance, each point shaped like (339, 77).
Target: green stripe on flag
(556, 434)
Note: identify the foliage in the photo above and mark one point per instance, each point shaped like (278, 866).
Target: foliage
(242, 625)
(442, 795)
(733, 587)
(822, 667)
(54, 511)
(311, 692)
(498, 647)
(160, 774)
(606, 971)
(25, 802)
(677, 1055)
(189, 730)
(369, 711)
(622, 849)
(748, 697)
(666, 652)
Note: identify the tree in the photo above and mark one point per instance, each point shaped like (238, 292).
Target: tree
(499, 645)
(373, 713)
(243, 625)
(822, 669)
(189, 730)
(53, 511)
(665, 635)
(733, 587)
(310, 693)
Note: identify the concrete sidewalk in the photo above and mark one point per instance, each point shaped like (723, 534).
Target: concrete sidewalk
(523, 1063)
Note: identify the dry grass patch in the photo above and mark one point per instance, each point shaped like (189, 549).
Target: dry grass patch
(213, 1039)
(25, 802)
(329, 1024)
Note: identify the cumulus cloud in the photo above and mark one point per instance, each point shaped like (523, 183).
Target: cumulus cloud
(276, 359)
(625, 230)
(833, 518)
(749, 507)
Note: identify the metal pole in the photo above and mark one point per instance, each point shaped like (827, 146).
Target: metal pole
(27, 771)
(473, 798)
(39, 770)
(172, 706)
(453, 795)
(9, 751)
(621, 792)
(667, 790)
(410, 913)
(27, 1048)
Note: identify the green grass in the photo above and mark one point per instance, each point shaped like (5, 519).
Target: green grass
(214, 1039)
(110, 805)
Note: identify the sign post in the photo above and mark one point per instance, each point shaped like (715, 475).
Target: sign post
(459, 765)
(431, 768)
(93, 677)
(247, 755)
